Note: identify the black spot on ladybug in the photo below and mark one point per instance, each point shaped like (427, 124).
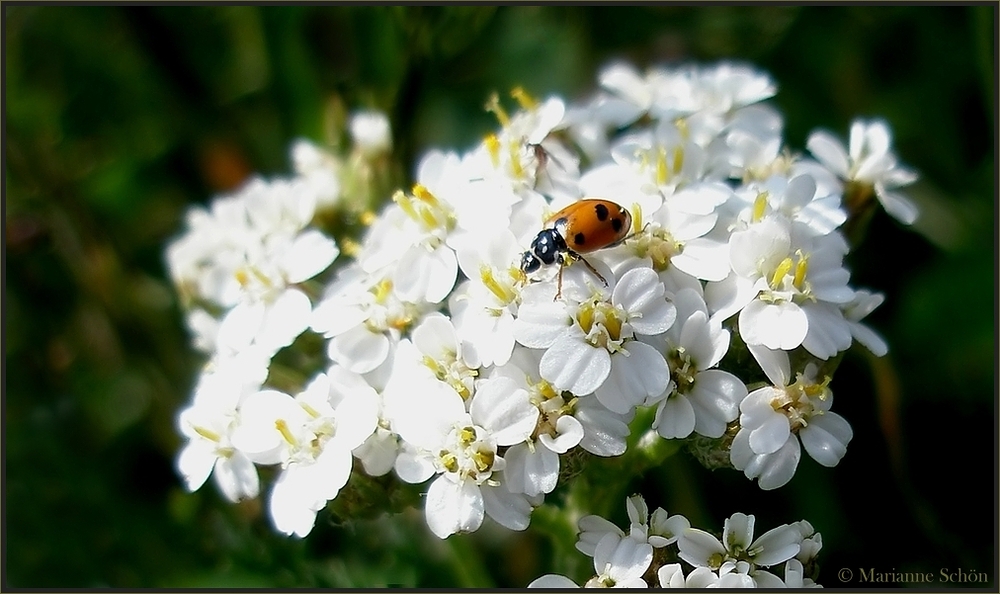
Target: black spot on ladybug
(602, 212)
(616, 224)
(579, 239)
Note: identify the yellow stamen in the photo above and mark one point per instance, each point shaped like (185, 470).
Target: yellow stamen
(368, 218)
(467, 435)
(759, 206)
(779, 273)
(483, 460)
(449, 461)
(493, 105)
(350, 247)
(662, 171)
(527, 102)
(800, 271)
(515, 162)
(504, 294)
(207, 434)
(382, 291)
(493, 148)
(312, 412)
(678, 159)
(682, 127)
(406, 204)
(286, 433)
(435, 367)
(400, 323)
(636, 217)
(425, 195)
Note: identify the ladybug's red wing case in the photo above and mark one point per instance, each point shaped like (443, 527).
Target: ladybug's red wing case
(591, 224)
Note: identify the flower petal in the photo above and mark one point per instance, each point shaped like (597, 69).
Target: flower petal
(453, 507)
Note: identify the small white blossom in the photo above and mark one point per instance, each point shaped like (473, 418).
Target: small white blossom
(311, 436)
(869, 163)
(371, 132)
(699, 397)
(590, 338)
(460, 446)
(775, 419)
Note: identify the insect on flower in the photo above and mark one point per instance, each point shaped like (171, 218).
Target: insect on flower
(585, 226)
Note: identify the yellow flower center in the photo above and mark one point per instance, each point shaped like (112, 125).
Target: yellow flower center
(602, 323)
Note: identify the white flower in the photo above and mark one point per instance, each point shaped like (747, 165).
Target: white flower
(319, 170)
(553, 581)
(795, 576)
(364, 317)
(870, 165)
(663, 159)
(460, 446)
(523, 157)
(208, 424)
(699, 398)
(248, 254)
(797, 198)
(659, 529)
(483, 308)
(864, 303)
(311, 436)
(777, 545)
(620, 562)
(590, 339)
(443, 354)
(533, 466)
(774, 419)
(370, 132)
(782, 283)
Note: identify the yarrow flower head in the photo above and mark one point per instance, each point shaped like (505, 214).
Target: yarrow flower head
(604, 278)
(738, 560)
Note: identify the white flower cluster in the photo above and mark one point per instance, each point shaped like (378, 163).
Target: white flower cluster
(453, 363)
(656, 542)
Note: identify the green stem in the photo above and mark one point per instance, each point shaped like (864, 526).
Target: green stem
(467, 563)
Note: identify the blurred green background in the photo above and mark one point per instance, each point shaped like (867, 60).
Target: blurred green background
(118, 118)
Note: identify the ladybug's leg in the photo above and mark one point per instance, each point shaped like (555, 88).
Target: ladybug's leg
(592, 269)
(564, 261)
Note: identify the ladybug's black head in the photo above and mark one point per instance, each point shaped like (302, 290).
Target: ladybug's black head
(529, 263)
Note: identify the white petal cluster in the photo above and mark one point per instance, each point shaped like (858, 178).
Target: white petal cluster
(449, 365)
(776, 559)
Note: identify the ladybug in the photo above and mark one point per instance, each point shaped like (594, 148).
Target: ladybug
(585, 226)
